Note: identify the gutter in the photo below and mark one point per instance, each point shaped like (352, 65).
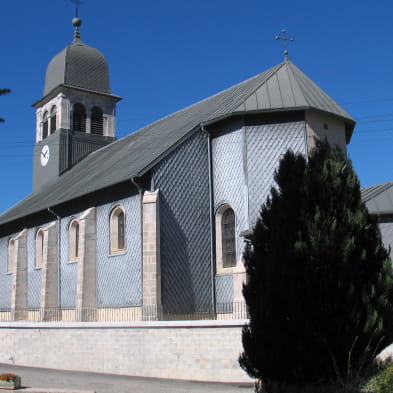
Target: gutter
(212, 229)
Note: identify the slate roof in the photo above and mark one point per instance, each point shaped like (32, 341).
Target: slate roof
(78, 65)
(379, 198)
(281, 88)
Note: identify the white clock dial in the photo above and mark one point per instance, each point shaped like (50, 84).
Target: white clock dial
(45, 155)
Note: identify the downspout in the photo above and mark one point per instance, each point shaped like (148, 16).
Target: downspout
(140, 190)
(212, 229)
(58, 256)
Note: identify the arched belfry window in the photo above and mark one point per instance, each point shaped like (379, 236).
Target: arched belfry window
(45, 125)
(225, 238)
(117, 230)
(53, 119)
(73, 241)
(39, 249)
(79, 118)
(97, 121)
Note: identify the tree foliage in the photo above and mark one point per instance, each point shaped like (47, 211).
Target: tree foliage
(2, 92)
(319, 290)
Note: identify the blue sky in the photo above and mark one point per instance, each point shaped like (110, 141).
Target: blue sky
(166, 55)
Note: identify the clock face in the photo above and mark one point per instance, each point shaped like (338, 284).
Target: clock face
(44, 155)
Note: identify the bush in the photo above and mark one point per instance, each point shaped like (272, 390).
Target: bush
(382, 382)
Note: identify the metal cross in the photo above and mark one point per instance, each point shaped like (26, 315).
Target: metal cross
(77, 4)
(285, 39)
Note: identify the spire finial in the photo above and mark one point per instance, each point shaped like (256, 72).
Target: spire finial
(76, 21)
(285, 39)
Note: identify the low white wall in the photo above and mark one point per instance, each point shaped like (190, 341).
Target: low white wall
(194, 350)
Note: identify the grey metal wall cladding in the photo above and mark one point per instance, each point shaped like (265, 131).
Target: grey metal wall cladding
(386, 229)
(224, 292)
(119, 277)
(68, 271)
(33, 275)
(265, 146)
(183, 180)
(5, 279)
(229, 182)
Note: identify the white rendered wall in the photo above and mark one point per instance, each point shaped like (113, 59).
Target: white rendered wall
(189, 350)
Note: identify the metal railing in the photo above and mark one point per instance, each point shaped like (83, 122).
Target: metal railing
(222, 311)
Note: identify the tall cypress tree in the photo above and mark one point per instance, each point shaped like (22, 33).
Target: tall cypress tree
(320, 283)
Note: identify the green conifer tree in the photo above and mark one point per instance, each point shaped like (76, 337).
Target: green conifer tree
(2, 92)
(320, 284)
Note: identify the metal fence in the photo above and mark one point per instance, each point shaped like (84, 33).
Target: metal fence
(222, 311)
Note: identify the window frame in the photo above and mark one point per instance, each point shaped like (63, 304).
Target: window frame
(45, 125)
(220, 245)
(114, 229)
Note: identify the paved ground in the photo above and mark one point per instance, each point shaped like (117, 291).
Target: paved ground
(41, 380)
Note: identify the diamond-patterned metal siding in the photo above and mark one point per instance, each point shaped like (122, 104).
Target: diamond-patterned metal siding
(5, 279)
(224, 292)
(266, 144)
(33, 275)
(228, 179)
(119, 277)
(183, 181)
(386, 229)
(68, 270)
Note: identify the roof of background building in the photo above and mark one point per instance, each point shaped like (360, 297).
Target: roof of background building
(281, 88)
(379, 198)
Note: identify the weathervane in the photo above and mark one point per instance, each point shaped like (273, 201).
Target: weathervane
(77, 4)
(76, 21)
(285, 39)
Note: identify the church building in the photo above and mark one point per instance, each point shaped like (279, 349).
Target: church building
(152, 223)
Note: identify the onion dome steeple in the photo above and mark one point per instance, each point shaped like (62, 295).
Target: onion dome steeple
(78, 65)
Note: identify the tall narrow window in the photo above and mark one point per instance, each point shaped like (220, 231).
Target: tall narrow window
(45, 125)
(39, 249)
(97, 121)
(73, 241)
(53, 119)
(225, 238)
(117, 230)
(11, 260)
(79, 118)
(228, 238)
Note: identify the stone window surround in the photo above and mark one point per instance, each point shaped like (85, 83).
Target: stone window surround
(39, 248)
(11, 255)
(74, 241)
(220, 269)
(113, 231)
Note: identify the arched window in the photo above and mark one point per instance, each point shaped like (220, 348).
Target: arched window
(117, 230)
(11, 260)
(53, 119)
(73, 241)
(39, 249)
(97, 121)
(79, 118)
(45, 125)
(225, 238)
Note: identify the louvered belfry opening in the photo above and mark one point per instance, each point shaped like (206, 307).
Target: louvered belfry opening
(45, 125)
(97, 121)
(53, 119)
(79, 118)
(228, 238)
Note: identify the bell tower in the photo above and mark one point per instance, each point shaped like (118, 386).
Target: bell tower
(77, 112)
